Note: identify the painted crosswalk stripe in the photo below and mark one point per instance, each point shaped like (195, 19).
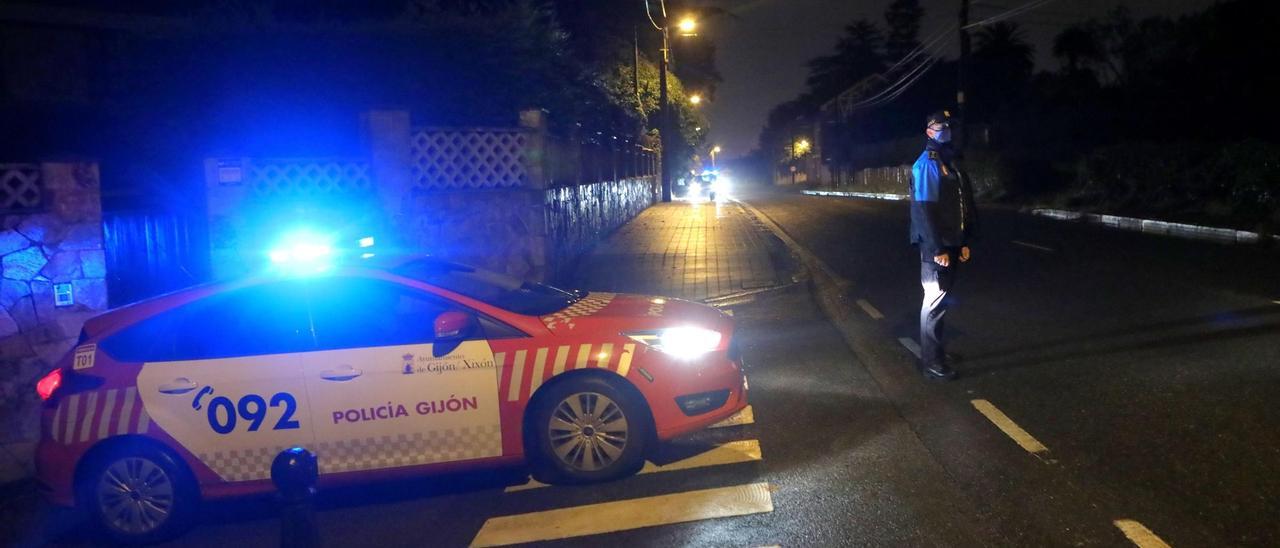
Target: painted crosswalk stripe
(1139, 535)
(730, 453)
(744, 417)
(870, 310)
(1010, 428)
(625, 515)
(911, 345)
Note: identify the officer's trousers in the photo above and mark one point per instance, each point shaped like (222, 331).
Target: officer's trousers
(937, 282)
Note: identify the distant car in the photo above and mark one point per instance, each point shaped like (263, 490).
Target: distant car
(706, 186)
(414, 367)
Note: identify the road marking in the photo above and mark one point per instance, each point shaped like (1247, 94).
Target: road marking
(1033, 246)
(746, 416)
(911, 345)
(1139, 534)
(730, 453)
(624, 515)
(1010, 428)
(870, 310)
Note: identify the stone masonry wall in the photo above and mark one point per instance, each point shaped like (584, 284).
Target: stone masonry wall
(59, 242)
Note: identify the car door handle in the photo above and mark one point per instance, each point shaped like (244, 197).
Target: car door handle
(180, 385)
(341, 373)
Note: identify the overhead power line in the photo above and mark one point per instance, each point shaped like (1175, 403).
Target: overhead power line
(897, 88)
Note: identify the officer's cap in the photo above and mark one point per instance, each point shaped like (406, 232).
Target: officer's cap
(940, 117)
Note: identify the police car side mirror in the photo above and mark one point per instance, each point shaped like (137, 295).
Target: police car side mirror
(454, 325)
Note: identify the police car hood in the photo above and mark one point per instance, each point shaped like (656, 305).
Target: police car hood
(626, 311)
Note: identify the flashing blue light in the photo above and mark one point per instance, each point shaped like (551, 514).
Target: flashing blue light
(302, 251)
(366, 241)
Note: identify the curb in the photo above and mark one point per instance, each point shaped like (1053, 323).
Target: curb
(844, 194)
(1133, 224)
(1151, 226)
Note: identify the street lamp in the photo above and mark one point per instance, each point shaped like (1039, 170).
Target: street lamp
(686, 27)
(695, 99)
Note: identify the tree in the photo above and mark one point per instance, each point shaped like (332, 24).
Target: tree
(857, 55)
(902, 18)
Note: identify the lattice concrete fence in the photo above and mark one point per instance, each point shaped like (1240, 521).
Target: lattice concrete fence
(512, 199)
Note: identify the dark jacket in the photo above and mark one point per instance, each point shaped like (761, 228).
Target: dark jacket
(943, 214)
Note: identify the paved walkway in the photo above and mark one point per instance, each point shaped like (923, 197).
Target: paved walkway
(691, 250)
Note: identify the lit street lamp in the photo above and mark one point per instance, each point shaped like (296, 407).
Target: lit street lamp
(714, 150)
(686, 27)
(695, 99)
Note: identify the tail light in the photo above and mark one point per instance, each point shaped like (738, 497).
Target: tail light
(47, 385)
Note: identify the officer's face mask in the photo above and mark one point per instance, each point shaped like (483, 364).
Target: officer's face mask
(943, 135)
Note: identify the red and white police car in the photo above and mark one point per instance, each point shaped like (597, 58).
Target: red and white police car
(413, 367)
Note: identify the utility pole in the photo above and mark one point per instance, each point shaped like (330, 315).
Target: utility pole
(960, 77)
(664, 126)
(635, 67)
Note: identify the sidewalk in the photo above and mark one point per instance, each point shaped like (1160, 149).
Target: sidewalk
(716, 251)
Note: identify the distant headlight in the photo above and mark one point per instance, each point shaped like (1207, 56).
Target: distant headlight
(695, 189)
(685, 343)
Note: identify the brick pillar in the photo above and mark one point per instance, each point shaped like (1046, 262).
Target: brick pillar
(535, 151)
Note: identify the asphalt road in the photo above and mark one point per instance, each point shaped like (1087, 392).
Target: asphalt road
(1144, 368)
(1147, 367)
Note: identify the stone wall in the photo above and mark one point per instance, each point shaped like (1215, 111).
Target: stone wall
(53, 242)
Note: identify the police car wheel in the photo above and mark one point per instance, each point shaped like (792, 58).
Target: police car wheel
(138, 496)
(587, 430)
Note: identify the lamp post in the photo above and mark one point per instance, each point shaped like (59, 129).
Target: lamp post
(714, 150)
(686, 26)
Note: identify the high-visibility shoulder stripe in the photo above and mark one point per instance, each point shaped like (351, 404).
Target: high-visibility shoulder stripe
(562, 357)
(86, 418)
(144, 421)
(517, 376)
(69, 425)
(126, 411)
(605, 356)
(108, 409)
(624, 360)
(56, 427)
(539, 368)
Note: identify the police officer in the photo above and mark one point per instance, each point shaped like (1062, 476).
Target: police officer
(943, 218)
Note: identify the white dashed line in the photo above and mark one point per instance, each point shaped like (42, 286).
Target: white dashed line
(1033, 246)
(911, 345)
(1010, 428)
(870, 310)
(1139, 535)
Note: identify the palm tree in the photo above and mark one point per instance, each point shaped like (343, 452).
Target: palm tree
(857, 55)
(1003, 47)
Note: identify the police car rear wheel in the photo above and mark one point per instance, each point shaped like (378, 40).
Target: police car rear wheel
(139, 496)
(588, 430)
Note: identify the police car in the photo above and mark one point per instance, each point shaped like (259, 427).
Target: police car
(414, 366)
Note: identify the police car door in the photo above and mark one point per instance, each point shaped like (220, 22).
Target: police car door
(384, 395)
(227, 384)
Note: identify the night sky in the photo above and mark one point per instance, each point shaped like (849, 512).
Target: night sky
(762, 52)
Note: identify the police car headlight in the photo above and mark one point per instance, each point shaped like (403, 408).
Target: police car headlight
(685, 343)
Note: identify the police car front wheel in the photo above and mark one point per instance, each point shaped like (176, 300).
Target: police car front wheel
(138, 496)
(588, 430)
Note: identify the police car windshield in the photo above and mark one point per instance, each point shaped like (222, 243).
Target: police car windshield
(500, 290)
